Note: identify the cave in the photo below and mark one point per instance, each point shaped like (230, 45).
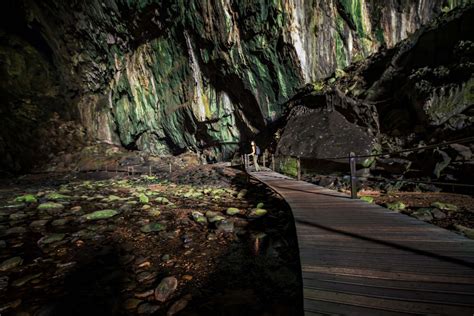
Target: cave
(129, 179)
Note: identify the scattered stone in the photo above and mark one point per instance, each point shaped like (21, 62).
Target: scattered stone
(438, 214)
(22, 281)
(445, 206)
(396, 206)
(367, 199)
(145, 294)
(423, 215)
(27, 198)
(153, 227)
(146, 277)
(76, 208)
(60, 222)
(242, 193)
(199, 217)
(143, 198)
(103, 214)
(146, 207)
(165, 257)
(187, 277)
(113, 198)
(462, 152)
(257, 212)
(131, 303)
(210, 214)
(260, 205)
(216, 218)
(39, 223)
(10, 305)
(50, 206)
(16, 230)
(147, 309)
(162, 200)
(10, 263)
(18, 216)
(469, 232)
(57, 197)
(225, 226)
(232, 211)
(3, 282)
(154, 212)
(51, 239)
(166, 287)
(179, 305)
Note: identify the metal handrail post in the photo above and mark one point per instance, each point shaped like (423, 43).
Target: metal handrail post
(352, 163)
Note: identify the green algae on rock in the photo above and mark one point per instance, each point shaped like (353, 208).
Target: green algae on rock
(445, 206)
(27, 198)
(153, 227)
(396, 206)
(50, 206)
(98, 215)
(232, 211)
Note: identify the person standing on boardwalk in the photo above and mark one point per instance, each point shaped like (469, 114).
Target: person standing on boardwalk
(255, 152)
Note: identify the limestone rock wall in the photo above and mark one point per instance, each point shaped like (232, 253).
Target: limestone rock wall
(167, 76)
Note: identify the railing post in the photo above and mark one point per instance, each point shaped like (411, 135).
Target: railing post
(298, 168)
(170, 167)
(149, 170)
(264, 158)
(352, 163)
(273, 162)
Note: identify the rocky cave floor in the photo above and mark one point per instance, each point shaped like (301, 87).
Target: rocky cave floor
(199, 242)
(449, 210)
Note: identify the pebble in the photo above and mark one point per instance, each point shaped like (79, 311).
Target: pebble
(438, 214)
(39, 223)
(132, 303)
(147, 309)
(199, 217)
(103, 214)
(76, 208)
(50, 206)
(257, 212)
(18, 216)
(145, 294)
(22, 281)
(422, 215)
(146, 277)
(10, 263)
(16, 230)
(3, 282)
(225, 226)
(153, 227)
(166, 287)
(60, 222)
(232, 211)
(51, 239)
(179, 305)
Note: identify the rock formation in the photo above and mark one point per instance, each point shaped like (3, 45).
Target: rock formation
(417, 93)
(167, 76)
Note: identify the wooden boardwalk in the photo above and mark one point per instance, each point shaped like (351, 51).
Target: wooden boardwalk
(362, 259)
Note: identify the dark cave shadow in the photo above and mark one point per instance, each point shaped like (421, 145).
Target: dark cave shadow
(92, 288)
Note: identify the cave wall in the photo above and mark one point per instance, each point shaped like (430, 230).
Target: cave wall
(166, 76)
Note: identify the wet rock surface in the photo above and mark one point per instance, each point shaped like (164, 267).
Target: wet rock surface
(94, 256)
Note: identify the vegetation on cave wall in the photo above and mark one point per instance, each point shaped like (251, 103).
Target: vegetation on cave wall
(164, 76)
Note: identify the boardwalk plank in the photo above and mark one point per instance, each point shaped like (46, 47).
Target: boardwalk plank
(361, 259)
